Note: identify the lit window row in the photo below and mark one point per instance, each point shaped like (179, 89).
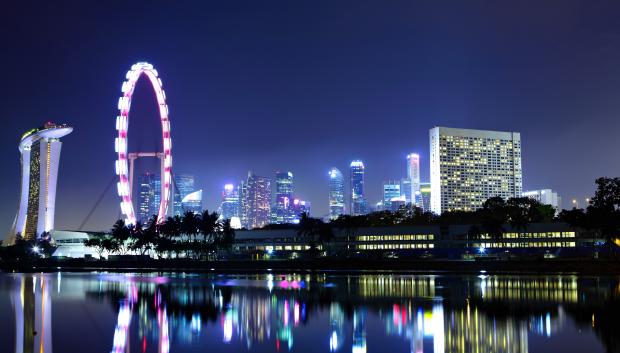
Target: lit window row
(393, 246)
(406, 237)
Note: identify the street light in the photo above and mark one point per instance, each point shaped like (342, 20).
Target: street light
(575, 203)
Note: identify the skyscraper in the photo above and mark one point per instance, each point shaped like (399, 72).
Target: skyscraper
(336, 193)
(425, 194)
(255, 201)
(148, 196)
(192, 202)
(413, 174)
(40, 154)
(183, 185)
(283, 213)
(298, 207)
(358, 201)
(405, 189)
(230, 202)
(391, 190)
(470, 166)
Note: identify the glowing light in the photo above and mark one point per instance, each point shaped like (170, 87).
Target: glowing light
(228, 327)
(482, 250)
(333, 342)
(36, 249)
(124, 105)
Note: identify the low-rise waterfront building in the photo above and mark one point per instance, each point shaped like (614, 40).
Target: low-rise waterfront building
(453, 241)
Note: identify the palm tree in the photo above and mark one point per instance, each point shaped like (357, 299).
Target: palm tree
(226, 235)
(171, 230)
(120, 234)
(209, 225)
(145, 238)
(96, 241)
(190, 227)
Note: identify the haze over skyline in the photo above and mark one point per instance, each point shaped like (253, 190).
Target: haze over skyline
(268, 86)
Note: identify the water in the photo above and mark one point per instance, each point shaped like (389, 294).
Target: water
(106, 312)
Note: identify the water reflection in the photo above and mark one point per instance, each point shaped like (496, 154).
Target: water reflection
(319, 312)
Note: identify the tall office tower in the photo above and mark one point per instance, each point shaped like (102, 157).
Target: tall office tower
(40, 153)
(470, 166)
(192, 202)
(230, 202)
(183, 185)
(148, 196)
(391, 191)
(298, 207)
(413, 174)
(283, 212)
(336, 193)
(358, 202)
(546, 197)
(256, 202)
(425, 195)
(405, 189)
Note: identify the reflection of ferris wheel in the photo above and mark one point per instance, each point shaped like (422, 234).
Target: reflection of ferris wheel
(125, 161)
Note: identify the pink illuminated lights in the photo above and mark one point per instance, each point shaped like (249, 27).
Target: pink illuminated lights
(122, 123)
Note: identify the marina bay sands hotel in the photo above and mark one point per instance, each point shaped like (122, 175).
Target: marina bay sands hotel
(40, 153)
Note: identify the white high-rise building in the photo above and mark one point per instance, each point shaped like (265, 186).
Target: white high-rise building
(413, 174)
(470, 166)
(546, 197)
(40, 154)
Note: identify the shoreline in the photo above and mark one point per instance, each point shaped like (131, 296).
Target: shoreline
(400, 266)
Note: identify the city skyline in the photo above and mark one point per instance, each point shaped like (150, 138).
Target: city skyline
(232, 106)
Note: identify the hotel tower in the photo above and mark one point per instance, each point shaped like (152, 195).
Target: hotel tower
(40, 152)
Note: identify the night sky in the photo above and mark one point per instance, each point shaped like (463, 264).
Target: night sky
(307, 85)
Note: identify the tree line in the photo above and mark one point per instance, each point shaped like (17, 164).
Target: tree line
(191, 235)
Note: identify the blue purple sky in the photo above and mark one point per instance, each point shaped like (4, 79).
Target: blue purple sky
(307, 85)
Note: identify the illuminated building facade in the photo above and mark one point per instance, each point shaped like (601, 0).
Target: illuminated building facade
(283, 212)
(148, 196)
(413, 174)
(546, 197)
(183, 186)
(470, 166)
(299, 207)
(358, 203)
(336, 193)
(230, 202)
(255, 201)
(425, 196)
(40, 154)
(391, 191)
(192, 202)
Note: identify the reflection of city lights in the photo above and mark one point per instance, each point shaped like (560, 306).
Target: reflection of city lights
(333, 342)
(285, 314)
(228, 327)
(296, 313)
(359, 347)
(196, 323)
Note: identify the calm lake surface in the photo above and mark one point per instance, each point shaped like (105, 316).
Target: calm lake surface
(162, 312)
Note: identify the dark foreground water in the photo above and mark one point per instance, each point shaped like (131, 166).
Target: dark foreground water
(105, 312)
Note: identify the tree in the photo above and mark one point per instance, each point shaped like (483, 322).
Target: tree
(120, 234)
(96, 241)
(603, 213)
(209, 226)
(226, 235)
(494, 215)
(309, 228)
(145, 238)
